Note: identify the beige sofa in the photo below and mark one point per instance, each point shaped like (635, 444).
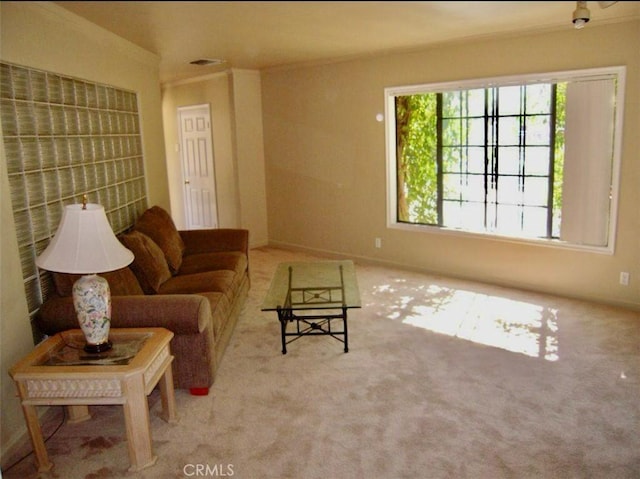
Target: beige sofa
(193, 283)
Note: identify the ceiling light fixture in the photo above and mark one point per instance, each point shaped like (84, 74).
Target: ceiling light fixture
(207, 61)
(581, 15)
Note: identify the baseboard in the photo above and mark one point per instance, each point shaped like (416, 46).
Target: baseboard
(376, 261)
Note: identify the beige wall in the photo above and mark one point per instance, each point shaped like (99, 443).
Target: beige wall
(234, 98)
(325, 162)
(247, 101)
(43, 36)
(15, 331)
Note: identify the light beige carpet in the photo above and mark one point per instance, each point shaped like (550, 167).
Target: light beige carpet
(444, 379)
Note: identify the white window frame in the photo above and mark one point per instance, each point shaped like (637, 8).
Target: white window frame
(390, 137)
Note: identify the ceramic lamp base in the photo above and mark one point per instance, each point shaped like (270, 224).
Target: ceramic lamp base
(92, 301)
(98, 348)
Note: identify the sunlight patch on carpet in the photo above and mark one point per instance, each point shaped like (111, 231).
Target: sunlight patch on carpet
(515, 326)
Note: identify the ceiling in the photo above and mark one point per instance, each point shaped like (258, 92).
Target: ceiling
(262, 35)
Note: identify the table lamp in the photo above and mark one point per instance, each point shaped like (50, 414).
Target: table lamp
(85, 244)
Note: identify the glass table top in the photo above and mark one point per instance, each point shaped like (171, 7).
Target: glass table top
(313, 285)
(72, 353)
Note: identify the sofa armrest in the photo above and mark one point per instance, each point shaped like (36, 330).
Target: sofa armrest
(179, 313)
(215, 240)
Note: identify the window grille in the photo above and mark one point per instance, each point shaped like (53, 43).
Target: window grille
(65, 138)
(500, 159)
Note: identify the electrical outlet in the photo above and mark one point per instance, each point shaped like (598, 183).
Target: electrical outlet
(624, 278)
(378, 242)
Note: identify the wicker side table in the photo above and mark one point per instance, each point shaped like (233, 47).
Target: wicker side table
(59, 372)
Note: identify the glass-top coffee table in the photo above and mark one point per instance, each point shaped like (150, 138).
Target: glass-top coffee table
(313, 294)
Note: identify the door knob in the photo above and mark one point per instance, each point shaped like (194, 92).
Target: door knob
(186, 182)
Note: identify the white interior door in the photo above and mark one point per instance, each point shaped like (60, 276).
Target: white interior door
(196, 152)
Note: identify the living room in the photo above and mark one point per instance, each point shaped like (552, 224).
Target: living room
(319, 184)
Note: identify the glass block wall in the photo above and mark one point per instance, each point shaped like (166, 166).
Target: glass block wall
(65, 138)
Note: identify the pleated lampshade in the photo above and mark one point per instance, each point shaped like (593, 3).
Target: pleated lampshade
(84, 243)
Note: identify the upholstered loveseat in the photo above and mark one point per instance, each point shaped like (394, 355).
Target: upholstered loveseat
(193, 283)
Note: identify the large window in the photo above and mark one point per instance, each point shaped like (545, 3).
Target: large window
(531, 158)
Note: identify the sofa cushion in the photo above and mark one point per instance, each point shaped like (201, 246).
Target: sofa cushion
(122, 282)
(158, 225)
(149, 264)
(221, 281)
(198, 263)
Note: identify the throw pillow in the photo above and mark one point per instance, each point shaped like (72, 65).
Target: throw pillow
(158, 225)
(122, 282)
(149, 264)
